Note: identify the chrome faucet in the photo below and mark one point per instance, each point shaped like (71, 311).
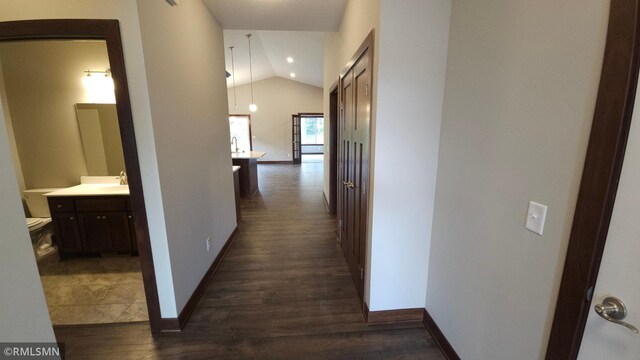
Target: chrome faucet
(123, 178)
(236, 139)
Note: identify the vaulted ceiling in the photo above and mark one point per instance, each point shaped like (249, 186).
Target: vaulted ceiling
(280, 29)
(269, 52)
(288, 15)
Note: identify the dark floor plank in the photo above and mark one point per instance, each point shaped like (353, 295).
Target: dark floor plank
(283, 291)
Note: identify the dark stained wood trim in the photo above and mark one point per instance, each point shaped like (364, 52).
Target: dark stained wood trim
(393, 316)
(250, 132)
(170, 325)
(326, 202)
(438, 336)
(333, 149)
(108, 30)
(599, 184)
(275, 162)
(367, 43)
(191, 304)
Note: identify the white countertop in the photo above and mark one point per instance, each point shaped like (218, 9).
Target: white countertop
(92, 190)
(249, 155)
(235, 168)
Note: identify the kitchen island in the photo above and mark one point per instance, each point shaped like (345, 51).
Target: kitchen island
(248, 172)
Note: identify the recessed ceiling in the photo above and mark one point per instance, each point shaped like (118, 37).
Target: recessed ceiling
(289, 15)
(269, 52)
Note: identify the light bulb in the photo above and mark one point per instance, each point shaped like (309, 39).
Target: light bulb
(292, 74)
(253, 107)
(289, 60)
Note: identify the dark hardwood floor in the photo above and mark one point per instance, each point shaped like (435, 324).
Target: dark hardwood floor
(283, 291)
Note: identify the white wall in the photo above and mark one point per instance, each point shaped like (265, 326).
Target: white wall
(127, 13)
(43, 81)
(24, 312)
(411, 69)
(360, 17)
(277, 99)
(409, 66)
(520, 91)
(184, 58)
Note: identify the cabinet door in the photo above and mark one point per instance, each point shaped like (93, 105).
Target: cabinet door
(119, 232)
(68, 232)
(95, 231)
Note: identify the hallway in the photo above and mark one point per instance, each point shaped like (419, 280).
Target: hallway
(283, 291)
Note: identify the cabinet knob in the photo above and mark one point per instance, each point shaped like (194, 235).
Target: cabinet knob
(104, 218)
(130, 217)
(98, 217)
(59, 206)
(71, 218)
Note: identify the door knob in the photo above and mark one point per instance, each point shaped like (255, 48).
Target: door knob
(348, 184)
(613, 309)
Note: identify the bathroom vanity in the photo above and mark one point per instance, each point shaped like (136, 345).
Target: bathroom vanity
(248, 172)
(92, 218)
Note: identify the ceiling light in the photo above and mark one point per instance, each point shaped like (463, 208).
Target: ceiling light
(253, 107)
(292, 74)
(289, 59)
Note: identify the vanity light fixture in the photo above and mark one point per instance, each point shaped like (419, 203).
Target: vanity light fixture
(99, 86)
(253, 107)
(289, 59)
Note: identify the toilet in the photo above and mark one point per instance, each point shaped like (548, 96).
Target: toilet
(39, 224)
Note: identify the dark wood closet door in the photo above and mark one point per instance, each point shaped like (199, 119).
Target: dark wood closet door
(355, 126)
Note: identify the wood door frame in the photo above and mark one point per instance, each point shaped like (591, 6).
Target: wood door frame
(250, 133)
(109, 31)
(599, 184)
(367, 44)
(293, 140)
(333, 149)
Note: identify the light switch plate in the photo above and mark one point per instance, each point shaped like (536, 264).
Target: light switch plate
(536, 216)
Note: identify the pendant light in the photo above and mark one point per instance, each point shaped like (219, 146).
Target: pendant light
(253, 107)
(233, 74)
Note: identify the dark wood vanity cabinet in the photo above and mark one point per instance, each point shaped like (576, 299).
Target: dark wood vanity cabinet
(86, 224)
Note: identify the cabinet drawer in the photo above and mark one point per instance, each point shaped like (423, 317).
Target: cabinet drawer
(101, 204)
(61, 204)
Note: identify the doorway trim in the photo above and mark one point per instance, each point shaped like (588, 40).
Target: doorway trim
(108, 30)
(599, 183)
(332, 202)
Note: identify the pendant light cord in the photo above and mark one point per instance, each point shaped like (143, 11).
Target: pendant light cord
(233, 78)
(250, 68)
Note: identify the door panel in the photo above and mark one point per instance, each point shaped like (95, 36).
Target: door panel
(95, 231)
(354, 133)
(620, 265)
(119, 231)
(296, 135)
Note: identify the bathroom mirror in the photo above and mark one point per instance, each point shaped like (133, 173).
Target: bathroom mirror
(100, 133)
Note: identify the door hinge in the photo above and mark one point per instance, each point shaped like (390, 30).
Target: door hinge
(590, 294)
(340, 224)
(364, 188)
(341, 105)
(366, 89)
(361, 273)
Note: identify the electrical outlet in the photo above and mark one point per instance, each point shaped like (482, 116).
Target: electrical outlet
(208, 244)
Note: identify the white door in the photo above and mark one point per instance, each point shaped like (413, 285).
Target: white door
(619, 274)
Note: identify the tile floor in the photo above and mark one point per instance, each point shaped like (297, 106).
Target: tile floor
(99, 290)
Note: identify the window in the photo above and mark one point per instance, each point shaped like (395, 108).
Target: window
(312, 129)
(240, 129)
